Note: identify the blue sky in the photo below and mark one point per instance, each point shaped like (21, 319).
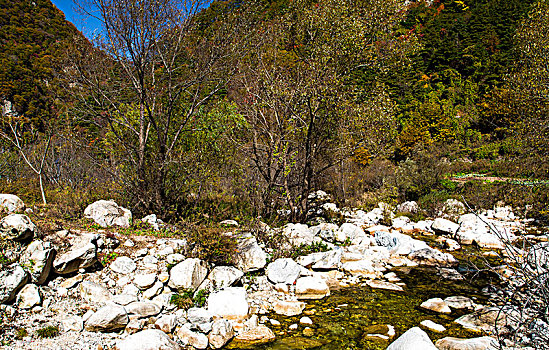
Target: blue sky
(86, 25)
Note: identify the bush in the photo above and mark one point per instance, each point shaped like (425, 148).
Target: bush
(48, 332)
(212, 245)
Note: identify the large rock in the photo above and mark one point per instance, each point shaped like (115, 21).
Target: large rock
(323, 260)
(298, 234)
(150, 339)
(198, 315)
(93, 292)
(143, 309)
(326, 231)
(197, 340)
(351, 233)
(452, 209)
(364, 268)
(230, 302)
(224, 276)
(29, 296)
(109, 318)
(444, 226)
(413, 339)
(188, 274)
(108, 213)
(288, 308)
(155, 222)
(398, 243)
(459, 303)
(257, 335)
(12, 280)
(482, 343)
(123, 265)
(432, 257)
(311, 288)
(250, 255)
(436, 305)
(407, 207)
(488, 319)
(38, 260)
(283, 270)
(17, 227)
(10, 203)
(82, 254)
(222, 331)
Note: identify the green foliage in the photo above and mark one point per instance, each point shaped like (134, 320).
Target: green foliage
(305, 249)
(48, 332)
(183, 300)
(107, 258)
(200, 297)
(21, 333)
(212, 245)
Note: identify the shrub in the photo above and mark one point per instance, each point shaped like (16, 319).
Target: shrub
(21, 333)
(48, 332)
(183, 300)
(212, 245)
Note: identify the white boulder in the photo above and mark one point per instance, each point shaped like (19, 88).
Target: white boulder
(108, 213)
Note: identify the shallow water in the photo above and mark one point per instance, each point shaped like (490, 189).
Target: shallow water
(367, 310)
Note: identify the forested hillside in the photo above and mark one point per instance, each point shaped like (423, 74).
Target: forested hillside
(33, 38)
(246, 107)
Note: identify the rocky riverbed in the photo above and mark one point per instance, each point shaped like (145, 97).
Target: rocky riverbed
(382, 281)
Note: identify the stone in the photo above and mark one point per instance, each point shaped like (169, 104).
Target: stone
(156, 223)
(298, 234)
(504, 213)
(326, 231)
(398, 243)
(450, 274)
(144, 281)
(258, 335)
(222, 331)
(444, 226)
(436, 305)
(452, 209)
(224, 276)
(93, 292)
(143, 309)
(108, 213)
(305, 320)
(135, 325)
(38, 260)
(384, 285)
(352, 233)
(250, 256)
(311, 288)
(283, 270)
(486, 319)
(109, 318)
(459, 303)
(432, 257)
(166, 323)
(124, 265)
(323, 260)
(407, 207)
(12, 279)
(123, 299)
(197, 340)
(364, 268)
(72, 323)
(17, 227)
(10, 203)
(197, 315)
(82, 254)
(288, 308)
(29, 296)
(149, 339)
(188, 274)
(229, 223)
(482, 343)
(413, 339)
(230, 302)
(153, 291)
(175, 258)
(435, 327)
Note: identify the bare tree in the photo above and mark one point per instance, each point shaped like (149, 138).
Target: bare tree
(142, 83)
